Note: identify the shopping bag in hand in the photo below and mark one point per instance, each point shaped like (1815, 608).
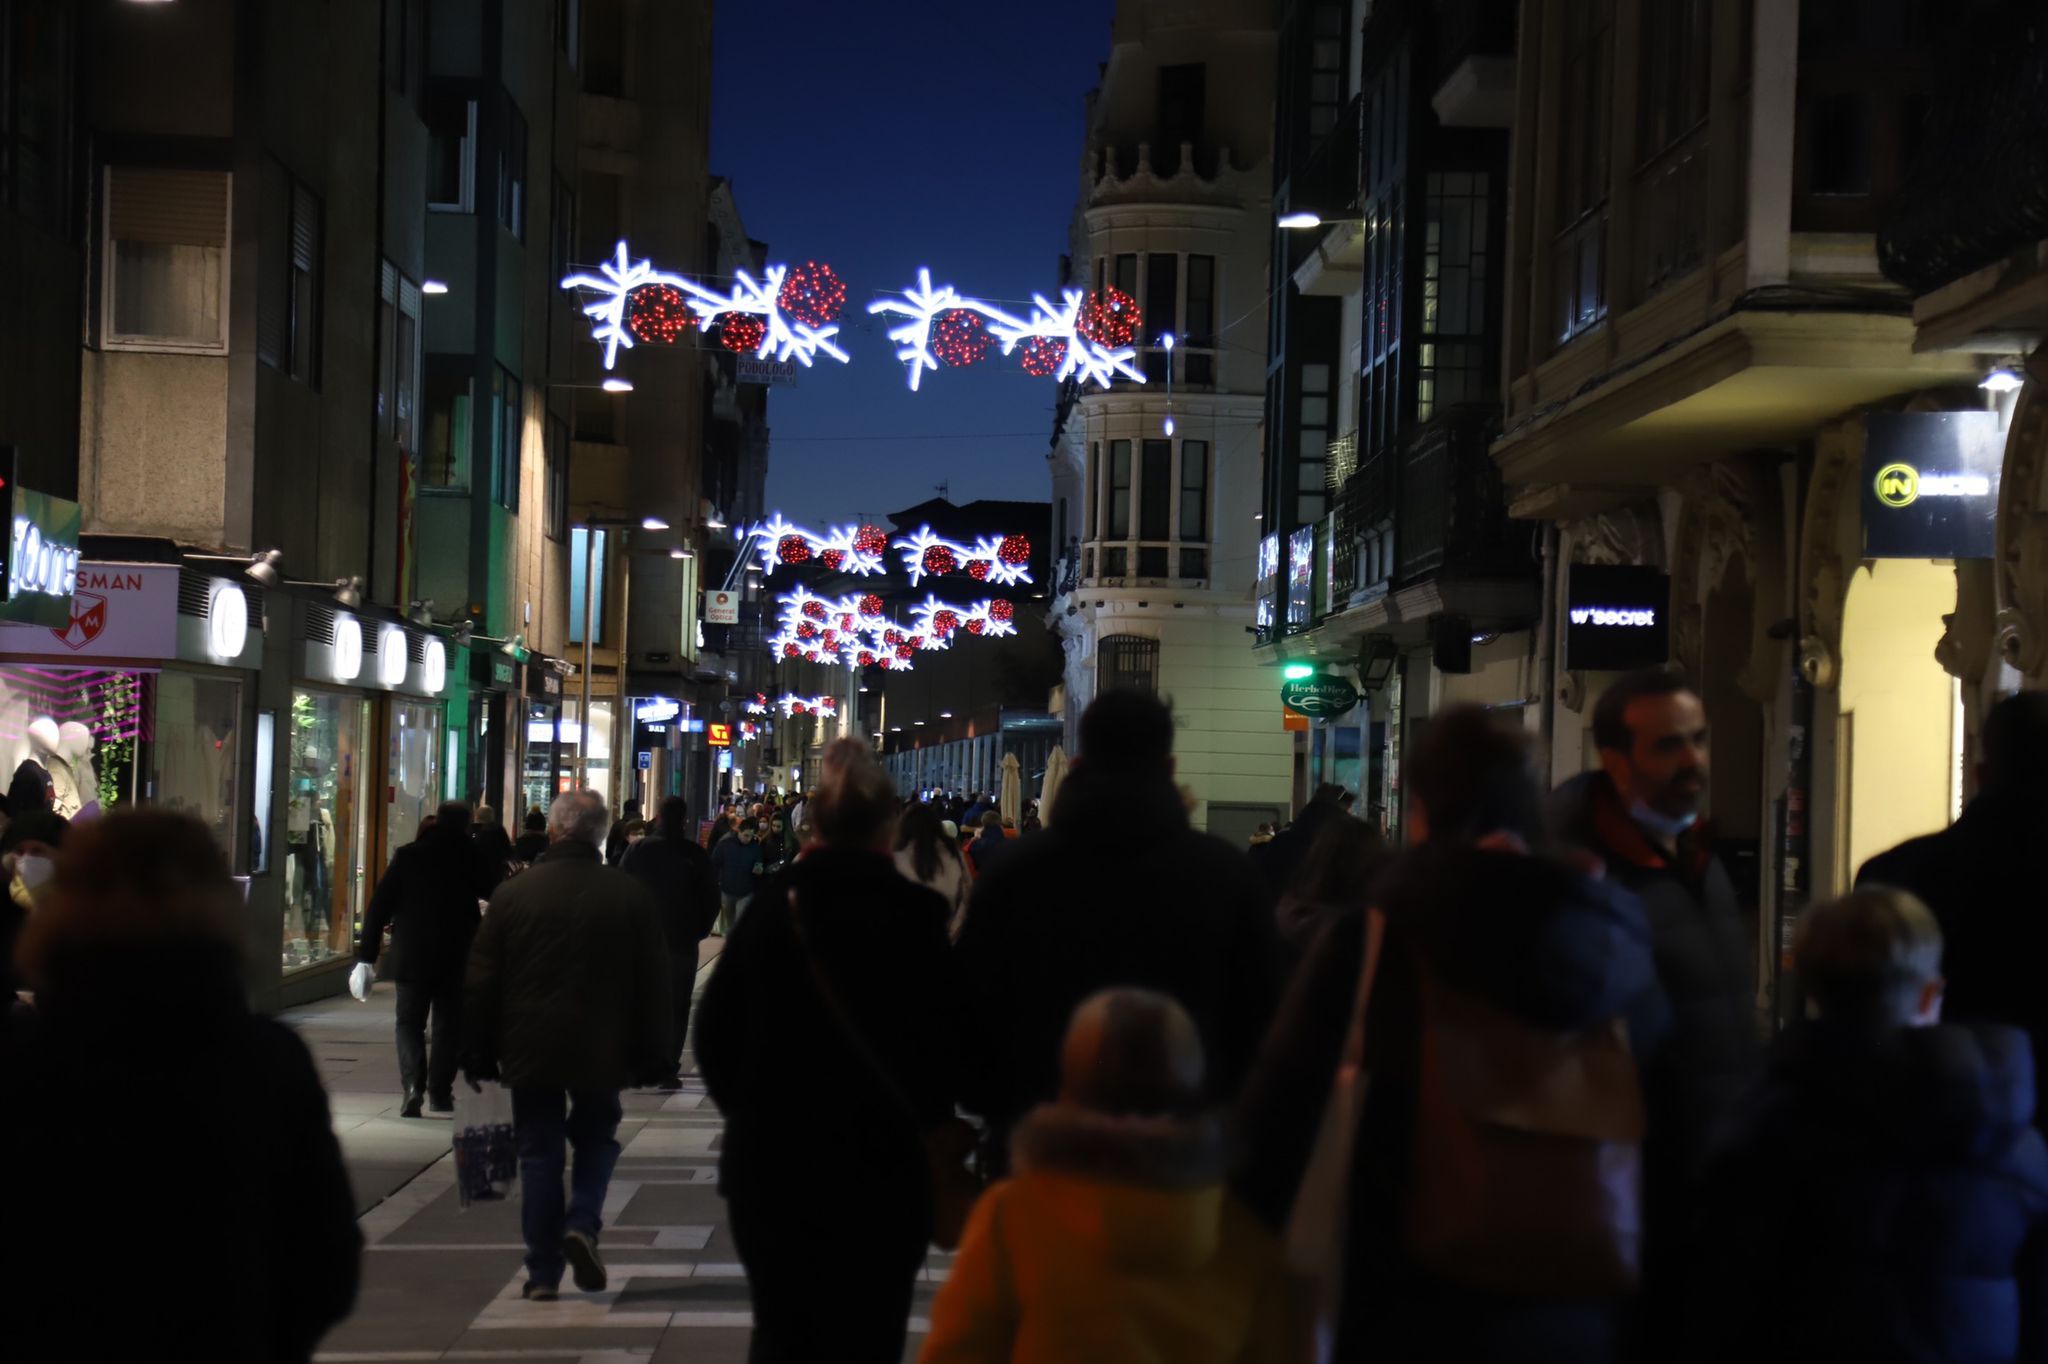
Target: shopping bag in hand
(486, 1160)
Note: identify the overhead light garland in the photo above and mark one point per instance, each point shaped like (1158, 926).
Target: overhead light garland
(792, 312)
(1004, 560)
(843, 549)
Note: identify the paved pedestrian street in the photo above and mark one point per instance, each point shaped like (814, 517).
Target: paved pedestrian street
(441, 1282)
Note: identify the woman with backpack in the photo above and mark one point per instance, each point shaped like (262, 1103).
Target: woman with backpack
(1483, 1026)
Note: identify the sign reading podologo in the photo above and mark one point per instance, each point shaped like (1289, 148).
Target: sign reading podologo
(42, 560)
(1318, 697)
(1930, 487)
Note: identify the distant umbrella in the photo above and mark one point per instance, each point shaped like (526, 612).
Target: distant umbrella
(1011, 802)
(1055, 773)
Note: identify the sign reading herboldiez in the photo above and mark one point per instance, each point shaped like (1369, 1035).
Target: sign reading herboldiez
(1616, 618)
(1930, 484)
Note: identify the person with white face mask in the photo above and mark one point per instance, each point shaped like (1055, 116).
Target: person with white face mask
(1640, 816)
(28, 852)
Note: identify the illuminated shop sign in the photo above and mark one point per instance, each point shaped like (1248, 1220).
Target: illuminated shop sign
(42, 559)
(1930, 484)
(1617, 617)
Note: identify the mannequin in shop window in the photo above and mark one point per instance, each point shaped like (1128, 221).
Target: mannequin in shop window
(65, 752)
(309, 844)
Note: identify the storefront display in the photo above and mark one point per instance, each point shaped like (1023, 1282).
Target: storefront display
(414, 776)
(326, 827)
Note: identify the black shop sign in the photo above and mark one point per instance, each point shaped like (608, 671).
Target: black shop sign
(1930, 484)
(1617, 617)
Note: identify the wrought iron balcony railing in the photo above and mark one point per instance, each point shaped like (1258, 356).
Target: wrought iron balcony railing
(1978, 190)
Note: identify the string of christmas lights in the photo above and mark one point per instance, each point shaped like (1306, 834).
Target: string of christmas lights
(1003, 560)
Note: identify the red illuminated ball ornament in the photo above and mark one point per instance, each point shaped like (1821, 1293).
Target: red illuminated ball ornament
(904, 652)
(892, 638)
(917, 641)
(977, 569)
(793, 549)
(1042, 356)
(831, 639)
(812, 293)
(939, 561)
(799, 708)
(945, 623)
(806, 630)
(976, 625)
(960, 338)
(815, 610)
(845, 622)
(871, 540)
(1015, 549)
(1109, 319)
(789, 651)
(866, 658)
(742, 332)
(658, 315)
(832, 558)
(1002, 610)
(871, 605)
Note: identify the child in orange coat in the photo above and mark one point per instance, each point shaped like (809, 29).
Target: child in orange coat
(1117, 1237)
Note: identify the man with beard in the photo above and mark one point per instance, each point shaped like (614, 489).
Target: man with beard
(1640, 815)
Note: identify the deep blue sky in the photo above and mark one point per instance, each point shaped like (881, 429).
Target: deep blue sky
(881, 136)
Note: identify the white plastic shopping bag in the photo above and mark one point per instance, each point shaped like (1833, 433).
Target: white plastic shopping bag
(486, 1160)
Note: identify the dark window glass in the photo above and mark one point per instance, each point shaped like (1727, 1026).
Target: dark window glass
(1579, 250)
(569, 30)
(562, 253)
(1119, 526)
(1841, 144)
(556, 524)
(1179, 116)
(1127, 273)
(604, 47)
(1155, 492)
(1152, 560)
(508, 431)
(1194, 491)
(1194, 563)
(512, 173)
(444, 454)
(451, 153)
(598, 216)
(1116, 562)
(1161, 310)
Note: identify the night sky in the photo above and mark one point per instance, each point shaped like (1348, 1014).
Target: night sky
(880, 137)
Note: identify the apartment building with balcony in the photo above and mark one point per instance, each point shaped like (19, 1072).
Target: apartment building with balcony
(1155, 516)
(1388, 556)
(1705, 370)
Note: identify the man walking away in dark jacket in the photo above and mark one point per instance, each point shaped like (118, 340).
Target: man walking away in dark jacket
(428, 898)
(532, 840)
(1882, 1197)
(677, 872)
(1982, 879)
(567, 1000)
(1117, 890)
(1281, 858)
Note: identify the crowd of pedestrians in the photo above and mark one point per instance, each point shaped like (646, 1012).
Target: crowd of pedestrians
(1501, 1094)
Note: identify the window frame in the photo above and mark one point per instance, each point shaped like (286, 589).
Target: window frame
(507, 429)
(465, 202)
(109, 338)
(433, 369)
(515, 156)
(555, 513)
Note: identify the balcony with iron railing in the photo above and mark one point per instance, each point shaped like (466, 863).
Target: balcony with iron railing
(1977, 192)
(1429, 506)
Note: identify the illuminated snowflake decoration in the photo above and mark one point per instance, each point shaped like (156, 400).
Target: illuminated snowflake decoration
(787, 336)
(614, 284)
(845, 549)
(938, 621)
(991, 559)
(791, 704)
(1050, 331)
(1049, 328)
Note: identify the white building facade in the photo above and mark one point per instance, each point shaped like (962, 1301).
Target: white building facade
(1157, 485)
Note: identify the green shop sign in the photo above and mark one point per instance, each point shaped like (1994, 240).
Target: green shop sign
(1319, 697)
(41, 560)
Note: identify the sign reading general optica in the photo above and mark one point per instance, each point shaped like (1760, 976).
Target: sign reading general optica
(42, 560)
(1616, 618)
(1320, 697)
(1930, 484)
